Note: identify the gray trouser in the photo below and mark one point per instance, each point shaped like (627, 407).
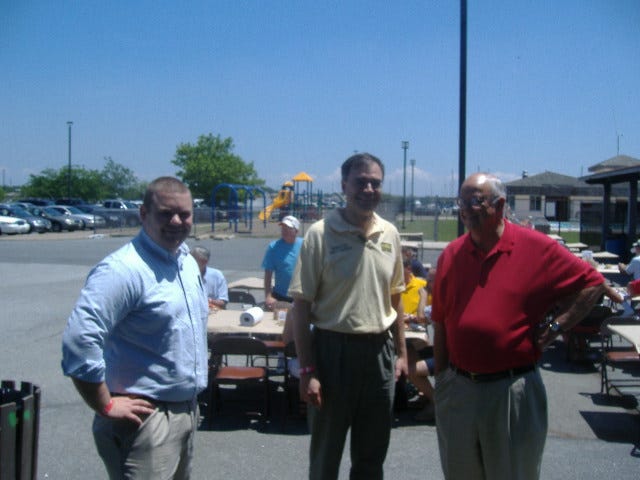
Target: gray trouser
(161, 448)
(493, 430)
(356, 374)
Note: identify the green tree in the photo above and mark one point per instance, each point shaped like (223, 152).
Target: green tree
(114, 180)
(51, 183)
(210, 162)
(120, 181)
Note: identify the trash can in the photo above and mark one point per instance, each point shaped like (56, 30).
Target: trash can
(19, 425)
(617, 244)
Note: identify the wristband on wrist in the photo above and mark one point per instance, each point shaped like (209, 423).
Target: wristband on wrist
(107, 408)
(307, 370)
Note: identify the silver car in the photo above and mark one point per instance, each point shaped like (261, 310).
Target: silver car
(13, 225)
(89, 220)
(59, 221)
(36, 223)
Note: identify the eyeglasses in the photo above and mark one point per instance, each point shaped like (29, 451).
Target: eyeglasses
(475, 202)
(363, 183)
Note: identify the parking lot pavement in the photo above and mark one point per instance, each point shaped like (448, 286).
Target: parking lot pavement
(589, 437)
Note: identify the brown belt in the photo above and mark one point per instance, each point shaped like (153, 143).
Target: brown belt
(494, 376)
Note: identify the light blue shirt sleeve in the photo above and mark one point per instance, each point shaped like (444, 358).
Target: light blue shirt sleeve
(216, 284)
(634, 268)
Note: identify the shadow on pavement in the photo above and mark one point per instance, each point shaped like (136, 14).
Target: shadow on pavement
(239, 409)
(555, 359)
(620, 427)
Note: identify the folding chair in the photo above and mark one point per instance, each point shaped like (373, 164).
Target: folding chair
(290, 385)
(224, 374)
(240, 296)
(616, 356)
(580, 336)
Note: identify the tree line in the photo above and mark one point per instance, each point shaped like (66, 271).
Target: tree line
(201, 166)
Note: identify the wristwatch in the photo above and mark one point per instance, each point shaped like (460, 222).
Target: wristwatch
(555, 327)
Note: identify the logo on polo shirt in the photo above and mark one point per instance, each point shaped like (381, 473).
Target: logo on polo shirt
(386, 247)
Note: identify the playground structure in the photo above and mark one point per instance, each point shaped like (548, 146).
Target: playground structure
(282, 201)
(235, 212)
(295, 197)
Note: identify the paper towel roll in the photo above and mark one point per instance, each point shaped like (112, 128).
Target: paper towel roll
(250, 317)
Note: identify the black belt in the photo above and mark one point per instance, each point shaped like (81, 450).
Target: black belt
(353, 336)
(495, 376)
(153, 401)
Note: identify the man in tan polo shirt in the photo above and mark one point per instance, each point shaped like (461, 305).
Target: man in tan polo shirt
(347, 285)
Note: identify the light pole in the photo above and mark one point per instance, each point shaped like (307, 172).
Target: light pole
(618, 149)
(69, 170)
(413, 202)
(405, 145)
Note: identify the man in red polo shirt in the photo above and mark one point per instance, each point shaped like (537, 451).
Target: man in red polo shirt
(493, 289)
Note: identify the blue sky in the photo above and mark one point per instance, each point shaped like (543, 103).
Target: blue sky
(300, 85)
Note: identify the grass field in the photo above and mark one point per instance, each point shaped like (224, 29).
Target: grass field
(446, 229)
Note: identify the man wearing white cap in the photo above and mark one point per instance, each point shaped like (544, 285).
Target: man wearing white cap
(280, 258)
(633, 267)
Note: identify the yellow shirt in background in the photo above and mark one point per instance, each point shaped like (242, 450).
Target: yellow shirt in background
(411, 295)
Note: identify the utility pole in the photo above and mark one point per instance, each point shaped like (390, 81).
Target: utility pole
(69, 170)
(405, 145)
(413, 202)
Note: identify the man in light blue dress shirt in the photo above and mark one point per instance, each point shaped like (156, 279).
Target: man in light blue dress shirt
(135, 344)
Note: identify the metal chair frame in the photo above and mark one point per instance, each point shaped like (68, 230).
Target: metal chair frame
(221, 373)
(616, 357)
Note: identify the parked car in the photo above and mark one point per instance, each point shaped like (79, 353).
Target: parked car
(39, 202)
(75, 201)
(532, 220)
(58, 221)
(90, 220)
(113, 218)
(13, 225)
(120, 213)
(120, 204)
(36, 223)
(87, 207)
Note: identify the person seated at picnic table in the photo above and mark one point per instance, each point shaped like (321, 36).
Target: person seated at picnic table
(610, 291)
(214, 282)
(409, 253)
(633, 268)
(578, 345)
(419, 354)
(414, 297)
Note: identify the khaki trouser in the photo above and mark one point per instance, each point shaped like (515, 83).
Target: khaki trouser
(492, 430)
(161, 448)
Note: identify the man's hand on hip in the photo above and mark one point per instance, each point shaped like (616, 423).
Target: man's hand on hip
(311, 390)
(129, 408)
